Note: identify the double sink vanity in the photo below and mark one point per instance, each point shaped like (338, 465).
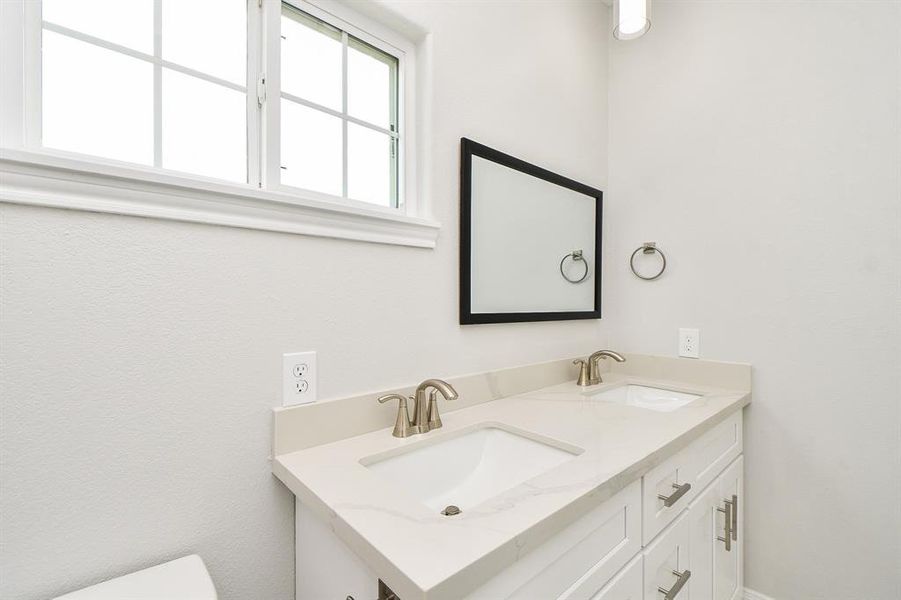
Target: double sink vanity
(528, 486)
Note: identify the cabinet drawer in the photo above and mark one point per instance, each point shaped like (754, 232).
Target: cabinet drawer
(579, 560)
(683, 475)
(626, 585)
(667, 564)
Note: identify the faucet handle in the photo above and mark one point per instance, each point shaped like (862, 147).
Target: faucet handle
(584, 371)
(402, 425)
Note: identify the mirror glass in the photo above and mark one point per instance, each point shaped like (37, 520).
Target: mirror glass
(530, 241)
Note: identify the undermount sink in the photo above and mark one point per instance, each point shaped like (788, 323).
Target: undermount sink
(471, 467)
(643, 396)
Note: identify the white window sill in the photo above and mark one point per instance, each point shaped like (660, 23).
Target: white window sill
(43, 179)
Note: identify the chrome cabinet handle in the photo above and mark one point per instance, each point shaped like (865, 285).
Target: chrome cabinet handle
(669, 594)
(728, 533)
(734, 517)
(681, 490)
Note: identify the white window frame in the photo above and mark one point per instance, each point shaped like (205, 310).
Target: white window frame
(397, 48)
(29, 173)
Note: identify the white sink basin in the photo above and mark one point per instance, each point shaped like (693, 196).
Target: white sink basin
(642, 396)
(469, 468)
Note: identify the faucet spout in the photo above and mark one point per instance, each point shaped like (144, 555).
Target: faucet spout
(420, 409)
(608, 354)
(594, 367)
(446, 389)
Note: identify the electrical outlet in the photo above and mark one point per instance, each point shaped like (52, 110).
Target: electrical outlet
(689, 343)
(298, 378)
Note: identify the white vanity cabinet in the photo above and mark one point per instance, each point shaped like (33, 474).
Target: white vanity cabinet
(673, 534)
(680, 524)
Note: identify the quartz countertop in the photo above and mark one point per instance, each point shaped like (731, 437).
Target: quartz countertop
(423, 555)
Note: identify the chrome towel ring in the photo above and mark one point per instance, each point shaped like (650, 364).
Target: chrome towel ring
(648, 248)
(576, 256)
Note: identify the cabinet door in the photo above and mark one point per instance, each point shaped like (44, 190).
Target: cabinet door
(702, 517)
(727, 565)
(626, 585)
(667, 565)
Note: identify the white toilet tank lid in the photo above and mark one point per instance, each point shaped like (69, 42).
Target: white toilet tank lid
(185, 578)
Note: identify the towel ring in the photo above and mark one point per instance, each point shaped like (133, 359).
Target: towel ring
(648, 248)
(576, 255)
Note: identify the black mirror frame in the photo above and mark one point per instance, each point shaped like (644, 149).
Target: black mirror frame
(468, 149)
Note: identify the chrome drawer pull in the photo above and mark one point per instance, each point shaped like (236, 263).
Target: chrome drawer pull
(681, 490)
(734, 517)
(669, 594)
(728, 533)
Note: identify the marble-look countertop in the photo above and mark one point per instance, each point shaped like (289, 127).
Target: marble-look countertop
(426, 556)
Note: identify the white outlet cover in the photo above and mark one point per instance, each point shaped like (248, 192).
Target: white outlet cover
(298, 378)
(689, 343)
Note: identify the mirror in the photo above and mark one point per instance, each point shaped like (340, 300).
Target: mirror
(530, 241)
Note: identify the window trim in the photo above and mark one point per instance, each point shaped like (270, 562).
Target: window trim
(59, 181)
(32, 174)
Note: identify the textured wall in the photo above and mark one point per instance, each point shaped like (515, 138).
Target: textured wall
(141, 357)
(760, 144)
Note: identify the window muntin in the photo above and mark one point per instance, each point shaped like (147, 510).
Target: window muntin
(105, 92)
(345, 91)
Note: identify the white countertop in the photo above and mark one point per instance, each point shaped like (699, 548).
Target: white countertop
(426, 556)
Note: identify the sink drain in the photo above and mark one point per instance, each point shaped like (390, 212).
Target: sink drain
(451, 510)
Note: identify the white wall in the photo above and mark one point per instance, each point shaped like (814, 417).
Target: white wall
(759, 143)
(141, 357)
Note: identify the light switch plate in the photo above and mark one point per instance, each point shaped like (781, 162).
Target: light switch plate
(689, 343)
(298, 378)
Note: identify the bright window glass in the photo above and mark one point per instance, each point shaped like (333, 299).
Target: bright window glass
(369, 165)
(128, 23)
(207, 35)
(311, 59)
(203, 127)
(96, 101)
(311, 149)
(107, 90)
(339, 126)
(371, 86)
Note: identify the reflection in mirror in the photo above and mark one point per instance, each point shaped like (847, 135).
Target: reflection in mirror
(530, 241)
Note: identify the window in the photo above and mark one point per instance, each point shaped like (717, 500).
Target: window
(295, 103)
(339, 126)
(147, 82)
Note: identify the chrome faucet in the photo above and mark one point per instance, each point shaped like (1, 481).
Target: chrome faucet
(425, 409)
(594, 374)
